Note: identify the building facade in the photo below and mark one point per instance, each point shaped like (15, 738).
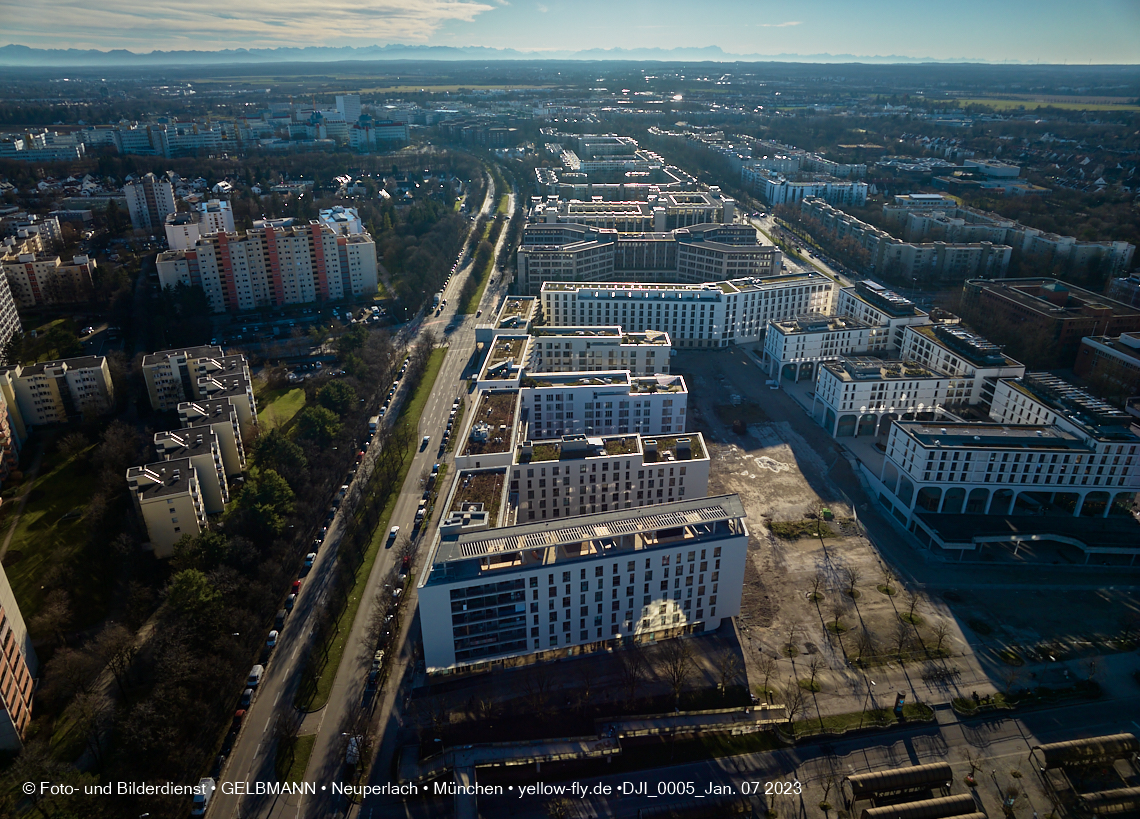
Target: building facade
(150, 199)
(602, 403)
(18, 668)
(701, 253)
(589, 349)
(701, 316)
(274, 266)
(168, 497)
(582, 584)
(37, 279)
(58, 392)
(1111, 365)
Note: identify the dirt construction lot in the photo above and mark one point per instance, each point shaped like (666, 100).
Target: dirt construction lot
(814, 607)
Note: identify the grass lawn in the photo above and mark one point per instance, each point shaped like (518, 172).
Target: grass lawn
(277, 407)
(51, 533)
(315, 697)
(504, 204)
(293, 758)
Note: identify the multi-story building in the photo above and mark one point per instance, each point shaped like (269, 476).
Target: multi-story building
(571, 252)
(1057, 313)
(661, 212)
(1111, 365)
(150, 199)
(348, 105)
(589, 349)
(232, 383)
(12, 434)
(376, 134)
(926, 264)
(220, 417)
(776, 189)
(201, 447)
(580, 475)
(9, 317)
(184, 229)
(274, 266)
(859, 396)
(18, 668)
(342, 220)
(947, 347)
(602, 403)
(172, 375)
(794, 348)
(35, 279)
(582, 583)
(873, 304)
(47, 228)
(694, 315)
(1125, 290)
(169, 498)
(1045, 399)
(58, 392)
(920, 219)
(950, 468)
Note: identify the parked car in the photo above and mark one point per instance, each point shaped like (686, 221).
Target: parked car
(309, 558)
(255, 675)
(271, 641)
(246, 699)
(296, 586)
(290, 602)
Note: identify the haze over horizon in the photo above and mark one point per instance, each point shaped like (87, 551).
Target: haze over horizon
(1047, 31)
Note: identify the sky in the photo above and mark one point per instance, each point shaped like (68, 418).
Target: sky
(1057, 31)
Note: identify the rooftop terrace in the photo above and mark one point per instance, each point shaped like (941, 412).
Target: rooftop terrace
(482, 486)
(496, 410)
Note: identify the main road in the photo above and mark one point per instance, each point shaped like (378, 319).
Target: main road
(253, 756)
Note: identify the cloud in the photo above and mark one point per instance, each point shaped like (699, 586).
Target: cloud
(779, 25)
(542, 8)
(216, 24)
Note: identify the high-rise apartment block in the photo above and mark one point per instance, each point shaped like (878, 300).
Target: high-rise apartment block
(57, 392)
(184, 229)
(274, 266)
(35, 278)
(18, 668)
(150, 199)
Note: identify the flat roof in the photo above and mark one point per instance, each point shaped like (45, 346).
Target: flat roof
(599, 526)
(601, 378)
(173, 477)
(205, 351)
(1115, 532)
(990, 436)
(83, 362)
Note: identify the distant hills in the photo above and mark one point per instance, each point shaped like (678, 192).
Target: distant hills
(25, 56)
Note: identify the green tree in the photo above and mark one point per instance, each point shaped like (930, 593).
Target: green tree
(192, 594)
(351, 341)
(274, 450)
(337, 396)
(266, 499)
(203, 551)
(318, 424)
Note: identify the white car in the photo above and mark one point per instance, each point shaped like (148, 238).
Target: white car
(202, 796)
(271, 642)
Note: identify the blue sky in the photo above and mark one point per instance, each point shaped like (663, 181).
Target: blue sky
(1103, 31)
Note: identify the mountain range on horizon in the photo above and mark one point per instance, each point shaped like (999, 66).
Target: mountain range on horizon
(14, 56)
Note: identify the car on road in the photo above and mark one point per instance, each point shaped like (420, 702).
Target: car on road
(255, 675)
(271, 641)
(424, 443)
(392, 533)
(478, 313)
(239, 715)
(202, 795)
(246, 699)
(296, 586)
(279, 621)
(309, 558)
(87, 331)
(290, 602)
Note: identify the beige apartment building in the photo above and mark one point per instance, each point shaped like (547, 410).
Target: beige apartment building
(169, 498)
(57, 392)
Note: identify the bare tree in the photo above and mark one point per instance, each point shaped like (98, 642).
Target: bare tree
(677, 665)
(815, 665)
(54, 616)
(632, 670)
(536, 685)
(888, 575)
(117, 648)
(865, 645)
(912, 598)
(728, 668)
(795, 701)
(852, 574)
(790, 642)
(903, 635)
(767, 667)
(838, 609)
(94, 715)
(817, 583)
(941, 632)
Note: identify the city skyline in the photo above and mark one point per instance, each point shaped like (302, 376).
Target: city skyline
(1104, 32)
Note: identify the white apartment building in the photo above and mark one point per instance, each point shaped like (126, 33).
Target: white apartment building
(581, 475)
(57, 392)
(220, 417)
(36, 279)
(602, 403)
(661, 212)
(702, 253)
(1044, 399)
(861, 396)
(1006, 469)
(694, 315)
(202, 449)
(184, 229)
(348, 105)
(582, 584)
(950, 348)
(590, 349)
(168, 496)
(776, 189)
(274, 266)
(150, 199)
(794, 348)
(873, 304)
(172, 375)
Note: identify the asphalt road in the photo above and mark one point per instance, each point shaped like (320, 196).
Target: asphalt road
(253, 756)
